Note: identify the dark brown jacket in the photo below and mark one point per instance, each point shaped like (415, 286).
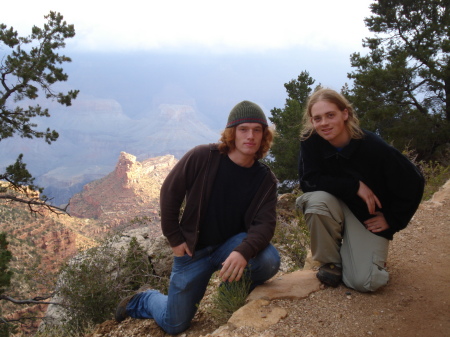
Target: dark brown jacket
(193, 178)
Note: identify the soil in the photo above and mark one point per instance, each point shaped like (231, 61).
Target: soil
(416, 301)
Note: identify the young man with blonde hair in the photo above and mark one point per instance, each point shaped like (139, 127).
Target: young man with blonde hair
(227, 223)
(358, 192)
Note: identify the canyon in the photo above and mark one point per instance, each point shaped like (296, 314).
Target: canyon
(126, 198)
(92, 134)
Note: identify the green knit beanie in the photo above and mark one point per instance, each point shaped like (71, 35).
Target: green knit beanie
(246, 112)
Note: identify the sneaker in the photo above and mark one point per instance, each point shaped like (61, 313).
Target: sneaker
(121, 311)
(330, 275)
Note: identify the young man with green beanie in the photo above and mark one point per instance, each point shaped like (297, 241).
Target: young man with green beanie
(227, 223)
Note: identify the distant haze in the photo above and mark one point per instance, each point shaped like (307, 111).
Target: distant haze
(151, 104)
(212, 83)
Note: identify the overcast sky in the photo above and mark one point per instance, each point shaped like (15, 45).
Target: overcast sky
(213, 53)
(209, 54)
(231, 26)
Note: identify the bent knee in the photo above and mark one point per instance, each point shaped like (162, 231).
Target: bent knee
(265, 265)
(271, 260)
(320, 203)
(274, 265)
(377, 278)
(177, 329)
(315, 198)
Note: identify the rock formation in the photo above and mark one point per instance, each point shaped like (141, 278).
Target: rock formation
(130, 191)
(41, 244)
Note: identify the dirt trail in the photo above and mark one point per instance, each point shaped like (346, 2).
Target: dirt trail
(416, 302)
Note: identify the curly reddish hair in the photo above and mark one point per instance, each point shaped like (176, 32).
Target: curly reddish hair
(226, 141)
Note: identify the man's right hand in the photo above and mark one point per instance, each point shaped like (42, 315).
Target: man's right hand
(371, 200)
(181, 250)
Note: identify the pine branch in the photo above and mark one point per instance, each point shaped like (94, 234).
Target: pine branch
(36, 205)
(35, 300)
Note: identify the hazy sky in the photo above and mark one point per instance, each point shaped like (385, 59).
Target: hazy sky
(217, 52)
(231, 26)
(138, 52)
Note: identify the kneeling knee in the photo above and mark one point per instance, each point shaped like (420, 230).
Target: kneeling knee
(378, 278)
(175, 330)
(273, 262)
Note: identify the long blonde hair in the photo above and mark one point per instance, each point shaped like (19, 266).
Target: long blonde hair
(228, 136)
(331, 96)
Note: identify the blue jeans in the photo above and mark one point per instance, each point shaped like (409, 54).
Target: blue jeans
(188, 282)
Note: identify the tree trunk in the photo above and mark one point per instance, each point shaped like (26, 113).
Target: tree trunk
(447, 98)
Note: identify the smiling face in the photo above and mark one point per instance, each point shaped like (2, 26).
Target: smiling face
(247, 142)
(329, 123)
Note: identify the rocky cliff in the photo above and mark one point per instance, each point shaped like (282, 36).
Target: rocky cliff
(130, 191)
(41, 244)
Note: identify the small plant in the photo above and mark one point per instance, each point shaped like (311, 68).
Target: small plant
(63, 331)
(138, 269)
(5, 258)
(435, 174)
(229, 297)
(5, 281)
(291, 236)
(6, 328)
(141, 221)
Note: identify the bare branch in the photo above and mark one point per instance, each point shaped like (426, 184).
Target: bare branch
(7, 321)
(36, 205)
(36, 300)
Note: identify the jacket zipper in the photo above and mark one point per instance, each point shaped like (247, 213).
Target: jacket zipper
(201, 202)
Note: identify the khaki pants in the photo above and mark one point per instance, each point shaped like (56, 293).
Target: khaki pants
(337, 236)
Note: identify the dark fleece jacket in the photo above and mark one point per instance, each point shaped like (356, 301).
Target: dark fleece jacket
(396, 181)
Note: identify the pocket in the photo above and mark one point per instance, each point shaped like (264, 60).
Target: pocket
(299, 203)
(179, 262)
(378, 276)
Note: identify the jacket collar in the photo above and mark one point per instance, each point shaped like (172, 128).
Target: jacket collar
(331, 151)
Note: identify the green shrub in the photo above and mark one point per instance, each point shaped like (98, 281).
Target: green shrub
(291, 236)
(229, 297)
(92, 284)
(6, 328)
(5, 258)
(435, 173)
(435, 176)
(138, 270)
(63, 331)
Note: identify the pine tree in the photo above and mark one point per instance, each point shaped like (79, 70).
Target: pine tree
(5, 278)
(283, 157)
(402, 86)
(29, 68)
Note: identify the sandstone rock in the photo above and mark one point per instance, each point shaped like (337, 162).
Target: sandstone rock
(287, 202)
(130, 191)
(257, 314)
(296, 285)
(310, 264)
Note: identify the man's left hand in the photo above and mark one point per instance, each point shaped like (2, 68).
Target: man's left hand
(233, 267)
(377, 223)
